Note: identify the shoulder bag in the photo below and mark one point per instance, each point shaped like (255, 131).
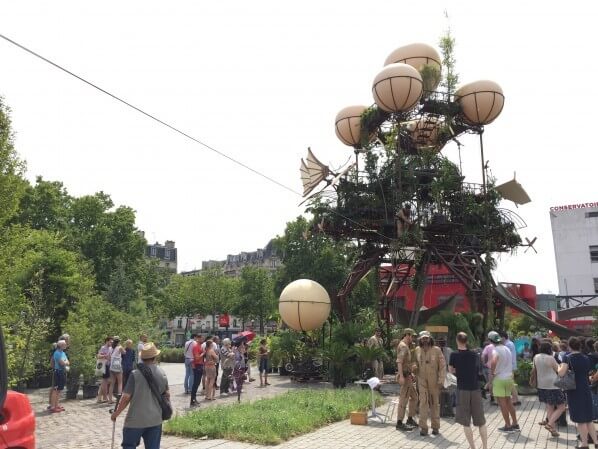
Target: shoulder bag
(162, 399)
(533, 376)
(567, 382)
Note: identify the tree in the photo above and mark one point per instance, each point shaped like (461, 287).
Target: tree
(210, 292)
(105, 236)
(308, 255)
(256, 298)
(46, 205)
(12, 168)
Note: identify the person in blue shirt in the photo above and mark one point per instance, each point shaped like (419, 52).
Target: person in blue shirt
(128, 360)
(61, 366)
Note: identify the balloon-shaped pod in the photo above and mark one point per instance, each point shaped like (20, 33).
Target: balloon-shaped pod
(397, 88)
(304, 305)
(481, 101)
(422, 57)
(347, 125)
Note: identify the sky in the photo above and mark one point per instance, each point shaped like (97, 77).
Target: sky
(262, 81)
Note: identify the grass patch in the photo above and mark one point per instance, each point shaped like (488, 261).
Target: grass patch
(271, 420)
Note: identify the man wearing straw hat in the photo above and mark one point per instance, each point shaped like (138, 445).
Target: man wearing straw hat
(144, 418)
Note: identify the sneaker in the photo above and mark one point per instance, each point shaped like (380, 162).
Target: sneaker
(435, 431)
(411, 422)
(517, 403)
(505, 429)
(515, 428)
(423, 433)
(194, 403)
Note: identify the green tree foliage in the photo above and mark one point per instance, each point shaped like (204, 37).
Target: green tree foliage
(210, 292)
(447, 46)
(45, 205)
(256, 296)
(58, 256)
(91, 321)
(12, 183)
(523, 325)
(311, 255)
(456, 323)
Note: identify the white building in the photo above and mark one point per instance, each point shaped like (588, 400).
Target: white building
(575, 237)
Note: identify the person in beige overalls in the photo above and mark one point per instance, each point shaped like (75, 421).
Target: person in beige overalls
(431, 371)
(375, 341)
(406, 381)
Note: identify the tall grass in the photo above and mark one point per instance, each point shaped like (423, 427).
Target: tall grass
(272, 420)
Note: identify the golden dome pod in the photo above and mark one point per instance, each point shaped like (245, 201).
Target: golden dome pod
(481, 101)
(416, 55)
(397, 88)
(422, 57)
(304, 305)
(347, 125)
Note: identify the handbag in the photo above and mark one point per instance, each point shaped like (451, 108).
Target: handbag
(162, 399)
(533, 376)
(100, 368)
(116, 366)
(567, 382)
(450, 380)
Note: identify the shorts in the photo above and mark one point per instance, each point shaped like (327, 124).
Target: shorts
(59, 379)
(263, 365)
(501, 388)
(106, 374)
(470, 408)
(551, 397)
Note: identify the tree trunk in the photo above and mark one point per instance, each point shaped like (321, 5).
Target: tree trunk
(420, 276)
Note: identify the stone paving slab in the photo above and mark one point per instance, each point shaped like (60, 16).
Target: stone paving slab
(87, 425)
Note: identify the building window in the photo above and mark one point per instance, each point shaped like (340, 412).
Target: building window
(153, 251)
(180, 324)
(591, 214)
(594, 253)
(166, 254)
(596, 285)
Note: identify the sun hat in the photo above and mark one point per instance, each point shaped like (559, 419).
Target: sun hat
(149, 351)
(424, 334)
(408, 331)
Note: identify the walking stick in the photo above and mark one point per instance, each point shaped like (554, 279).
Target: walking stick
(111, 411)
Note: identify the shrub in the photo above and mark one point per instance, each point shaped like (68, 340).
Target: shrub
(172, 355)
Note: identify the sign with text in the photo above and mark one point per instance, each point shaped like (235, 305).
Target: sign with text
(224, 320)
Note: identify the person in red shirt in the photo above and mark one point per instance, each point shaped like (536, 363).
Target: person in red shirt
(198, 362)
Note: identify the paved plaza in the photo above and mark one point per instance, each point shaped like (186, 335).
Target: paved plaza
(87, 425)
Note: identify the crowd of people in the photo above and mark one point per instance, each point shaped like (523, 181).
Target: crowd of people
(204, 359)
(490, 371)
(122, 367)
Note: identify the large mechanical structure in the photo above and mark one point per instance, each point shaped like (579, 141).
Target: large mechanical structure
(404, 204)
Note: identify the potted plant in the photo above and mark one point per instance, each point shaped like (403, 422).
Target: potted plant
(522, 374)
(340, 368)
(73, 382)
(285, 348)
(367, 355)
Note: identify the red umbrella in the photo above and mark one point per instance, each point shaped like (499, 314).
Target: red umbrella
(245, 335)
